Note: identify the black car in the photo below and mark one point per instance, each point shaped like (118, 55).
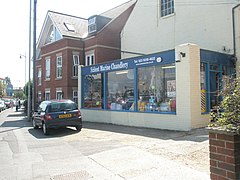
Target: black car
(57, 113)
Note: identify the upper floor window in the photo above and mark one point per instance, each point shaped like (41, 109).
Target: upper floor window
(47, 70)
(90, 60)
(51, 35)
(59, 67)
(92, 25)
(39, 76)
(167, 7)
(75, 65)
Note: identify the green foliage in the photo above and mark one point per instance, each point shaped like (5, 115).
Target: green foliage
(227, 116)
(19, 95)
(26, 88)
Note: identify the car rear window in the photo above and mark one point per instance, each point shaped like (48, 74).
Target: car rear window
(62, 106)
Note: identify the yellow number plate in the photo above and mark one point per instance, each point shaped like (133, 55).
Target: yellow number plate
(65, 116)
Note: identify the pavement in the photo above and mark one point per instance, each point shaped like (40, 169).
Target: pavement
(143, 153)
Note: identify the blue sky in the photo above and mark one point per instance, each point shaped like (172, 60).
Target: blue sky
(14, 31)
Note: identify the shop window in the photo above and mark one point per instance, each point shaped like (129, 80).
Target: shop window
(92, 91)
(120, 90)
(157, 89)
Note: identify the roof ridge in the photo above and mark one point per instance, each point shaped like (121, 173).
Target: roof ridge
(65, 14)
(115, 7)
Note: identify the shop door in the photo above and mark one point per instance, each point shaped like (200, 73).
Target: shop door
(214, 89)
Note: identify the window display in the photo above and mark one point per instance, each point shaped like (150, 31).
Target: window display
(92, 91)
(157, 89)
(120, 90)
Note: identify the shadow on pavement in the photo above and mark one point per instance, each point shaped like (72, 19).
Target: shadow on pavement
(54, 133)
(18, 123)
(15, 115)
(196, 135)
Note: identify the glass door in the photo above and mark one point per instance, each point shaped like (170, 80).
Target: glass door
(215, 79)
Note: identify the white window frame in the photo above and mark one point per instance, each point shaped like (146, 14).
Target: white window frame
(90, 59)
(76, 63)
(47, 95)
(59, 67)
(39, 76)
(48, 68)
(59, 94)
(75, 96)
(167, 7)
(92, 26)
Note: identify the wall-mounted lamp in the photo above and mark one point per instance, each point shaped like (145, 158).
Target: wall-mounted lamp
(182, 54)
(179, 56)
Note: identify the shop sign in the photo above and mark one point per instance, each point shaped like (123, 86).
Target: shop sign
(148, 60)
(121, 65)
(109, 67)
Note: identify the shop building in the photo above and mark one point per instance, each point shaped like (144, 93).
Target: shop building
(175, 57)
(165, 90)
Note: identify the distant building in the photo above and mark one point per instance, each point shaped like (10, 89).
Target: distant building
(9, 90)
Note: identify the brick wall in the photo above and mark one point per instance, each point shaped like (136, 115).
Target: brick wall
(224, 156)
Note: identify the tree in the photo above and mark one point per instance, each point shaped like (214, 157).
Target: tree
(228, 115)
(26, 88)
(8, 80)
(19, 94)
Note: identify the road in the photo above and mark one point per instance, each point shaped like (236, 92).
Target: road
(99, 151)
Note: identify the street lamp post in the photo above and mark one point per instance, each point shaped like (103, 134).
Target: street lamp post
(21, 55)
(29, 61)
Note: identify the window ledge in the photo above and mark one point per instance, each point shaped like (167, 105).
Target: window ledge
(168, 16)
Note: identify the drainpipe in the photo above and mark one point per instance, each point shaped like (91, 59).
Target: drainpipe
(234, 32)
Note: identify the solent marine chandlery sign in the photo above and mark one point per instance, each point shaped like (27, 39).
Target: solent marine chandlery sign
(124, 64)
(106, 67)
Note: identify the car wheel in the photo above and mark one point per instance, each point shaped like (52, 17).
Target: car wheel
(45, 129)
(78, 128)
(35, 126)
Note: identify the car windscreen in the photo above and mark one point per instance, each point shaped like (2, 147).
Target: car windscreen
(62, 106)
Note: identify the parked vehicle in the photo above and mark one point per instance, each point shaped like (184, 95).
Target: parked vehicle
(55, 114)
(2, 105)
(7, 103)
